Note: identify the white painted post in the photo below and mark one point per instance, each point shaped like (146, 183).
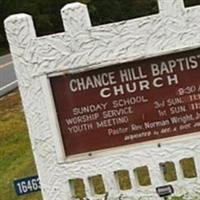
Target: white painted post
(171, 7)
(20, 32)
(110, 183)
(75, 18)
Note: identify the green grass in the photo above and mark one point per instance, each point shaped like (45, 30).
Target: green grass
(98, 185)
(143, 176)
(189, 169)
(16, 159)
(170, 174)
(177, 198)
(123, 179)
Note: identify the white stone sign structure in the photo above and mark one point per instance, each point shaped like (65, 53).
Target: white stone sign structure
(81, 48)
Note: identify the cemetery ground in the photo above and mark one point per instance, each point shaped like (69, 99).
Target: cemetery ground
(16, 159)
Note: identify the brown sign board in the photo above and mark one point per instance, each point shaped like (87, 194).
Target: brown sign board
(129, 103)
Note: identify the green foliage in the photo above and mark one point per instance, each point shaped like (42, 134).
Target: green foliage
(143, 176)
(46, 13)
(123, 179)
(177, 198)
(189, 168)
(170, 173)
(79, 188)
(3, 50)
(191, 2)
(98, 184)
(116, 10)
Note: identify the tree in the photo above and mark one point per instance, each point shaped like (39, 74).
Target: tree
(46, 13)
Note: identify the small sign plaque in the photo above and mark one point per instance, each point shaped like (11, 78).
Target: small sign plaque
(129, 103)
(27, 185)
(165, 191)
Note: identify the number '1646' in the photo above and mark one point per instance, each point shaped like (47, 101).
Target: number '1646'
(27, 185)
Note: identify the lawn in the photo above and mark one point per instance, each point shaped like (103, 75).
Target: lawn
(16, 159)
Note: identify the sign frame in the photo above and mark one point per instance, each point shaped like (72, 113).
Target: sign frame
(61, 155)
(82, 47)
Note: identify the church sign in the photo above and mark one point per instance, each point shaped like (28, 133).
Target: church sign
(129, 103)
(100, 100)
